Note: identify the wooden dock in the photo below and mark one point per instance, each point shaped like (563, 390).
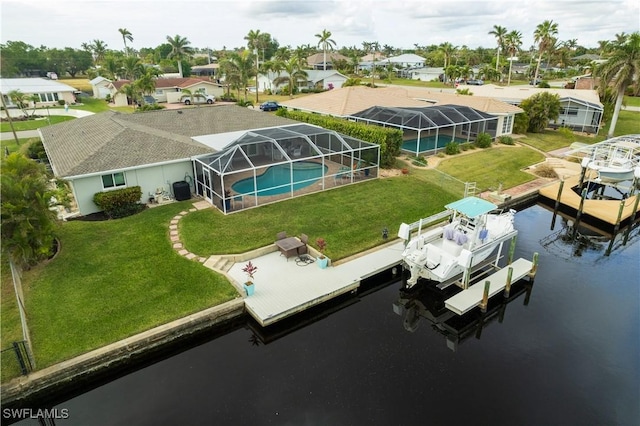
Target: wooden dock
(468, 299)
(602, 210)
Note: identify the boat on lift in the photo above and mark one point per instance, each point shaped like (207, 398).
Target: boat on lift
(450, 253)
(614, 160)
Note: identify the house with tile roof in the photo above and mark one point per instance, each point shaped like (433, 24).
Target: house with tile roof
(316, 79)
(169, 89)
(316, 61)
(153, 150)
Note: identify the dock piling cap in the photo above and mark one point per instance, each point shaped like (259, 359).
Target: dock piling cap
(472, 207)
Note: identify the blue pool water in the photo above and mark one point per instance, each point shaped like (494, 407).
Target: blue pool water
(428, 143)
(276, 179)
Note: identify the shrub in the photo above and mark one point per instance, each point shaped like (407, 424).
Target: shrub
(452, 148)
(566, 133)
(419, 161)
(149, 107)
(244, 103)
(505, 140)
(545, 171)
(483, 140)
(61, 102)
(544, 85)
(120, 202)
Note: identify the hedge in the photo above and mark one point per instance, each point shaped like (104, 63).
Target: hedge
(389, 140)
(120, 202)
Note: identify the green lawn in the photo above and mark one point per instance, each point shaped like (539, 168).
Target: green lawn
(11, 145)
(35, 124)
(632, 101)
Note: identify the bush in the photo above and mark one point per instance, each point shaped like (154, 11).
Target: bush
(566, 133)
(419, 161)
(149, 107)
(545, 171)
(244, 103)
(483, 140)
(452, 148)
(228, 97)
(120, 202)
(543, 85)
(505, 140)
(36, 151)
(61, 102)
(521, 123)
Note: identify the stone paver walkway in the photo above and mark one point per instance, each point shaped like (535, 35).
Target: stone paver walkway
(174, 235)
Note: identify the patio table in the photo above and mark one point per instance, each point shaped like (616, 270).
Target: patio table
(289, 246)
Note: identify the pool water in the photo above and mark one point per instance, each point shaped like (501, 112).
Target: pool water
(277, 179)
(428, 143)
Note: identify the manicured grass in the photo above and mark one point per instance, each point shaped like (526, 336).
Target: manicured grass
(11, 145)
(632, 101)
(350, 219)
(492, 166)
(35, 124)
(10, 327)
(628, 124)
(79, 83)
(113, 279)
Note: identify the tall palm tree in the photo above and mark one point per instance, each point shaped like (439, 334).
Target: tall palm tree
(254, 41)
(326, 43)
(180, 50)
(499, 32)
(126, 35)
(544, 35)
(294, 72)
(132, 68)
(619, 72)
(239, 68)
(447, 50)
(512, 43)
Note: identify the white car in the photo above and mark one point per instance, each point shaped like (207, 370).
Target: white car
(197, 98)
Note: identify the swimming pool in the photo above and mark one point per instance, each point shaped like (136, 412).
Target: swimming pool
(429, 143)
(277, 179)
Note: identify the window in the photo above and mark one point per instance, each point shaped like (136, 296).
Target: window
(113, 180)
(569, 111)
(507, 124)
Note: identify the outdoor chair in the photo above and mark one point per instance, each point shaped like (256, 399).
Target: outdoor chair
(304, 249)
(281, 235)
(297, 152)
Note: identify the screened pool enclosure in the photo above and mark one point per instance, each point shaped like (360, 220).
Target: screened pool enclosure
(272, 164)
(429, 129)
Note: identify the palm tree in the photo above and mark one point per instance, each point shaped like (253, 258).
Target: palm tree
(500, 33)
(294, 72)
(112, 67)
(326, 43)
(239, 68)
(126, 35)
(544, 36)
(619, 72)
(512, 42)
(254, 40)
(180, 49)
(132, 67)
(447, 50)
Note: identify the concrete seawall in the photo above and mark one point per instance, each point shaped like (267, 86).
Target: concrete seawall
(97, 363)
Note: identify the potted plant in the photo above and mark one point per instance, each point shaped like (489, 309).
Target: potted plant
(250, 269)
(322, 259)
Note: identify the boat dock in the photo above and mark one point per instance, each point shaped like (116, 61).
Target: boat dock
(284, 287)
(569, 203)
(468, 299)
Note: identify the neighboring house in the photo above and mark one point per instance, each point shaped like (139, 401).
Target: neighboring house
(155, 149)
(424, 74)
(316, 79)
(49, 92)
(210, 70)
(100, 87)
(169, 89)
(316, 61)
(346, 102)
(407, 60)
(581, 110)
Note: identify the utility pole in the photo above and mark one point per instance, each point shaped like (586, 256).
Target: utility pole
(15, 135)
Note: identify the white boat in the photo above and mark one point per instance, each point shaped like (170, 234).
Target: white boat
(447, 253)
(614, 160)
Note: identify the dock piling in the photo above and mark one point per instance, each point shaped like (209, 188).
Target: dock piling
(485, 296)
(557, 205)
(512, 249)
(507, 287)
(583, 196)
(616, 228)
(632, 219)
(534, 266)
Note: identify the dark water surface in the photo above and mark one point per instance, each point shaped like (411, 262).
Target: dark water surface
(568, 357)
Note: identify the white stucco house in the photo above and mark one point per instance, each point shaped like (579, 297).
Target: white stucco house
(406, 60)
(316, 79)
(49, 92)
(100, 86)
(423, 73)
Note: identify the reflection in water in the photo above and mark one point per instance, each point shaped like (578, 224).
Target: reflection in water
(428, 302)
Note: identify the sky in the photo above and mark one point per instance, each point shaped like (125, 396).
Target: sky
(218, 24)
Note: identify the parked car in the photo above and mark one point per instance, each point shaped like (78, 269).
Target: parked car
(198, 98)
(270, 106)
(475, 82)
(147, 100)
(535, 82)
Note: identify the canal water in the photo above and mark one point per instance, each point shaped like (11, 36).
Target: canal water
(565, 352)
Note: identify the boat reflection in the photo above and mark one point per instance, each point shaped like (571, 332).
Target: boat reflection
(426, 303)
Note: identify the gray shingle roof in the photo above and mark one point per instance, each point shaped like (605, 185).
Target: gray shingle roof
(112, 141)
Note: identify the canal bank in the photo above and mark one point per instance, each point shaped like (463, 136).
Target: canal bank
(98, 363)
